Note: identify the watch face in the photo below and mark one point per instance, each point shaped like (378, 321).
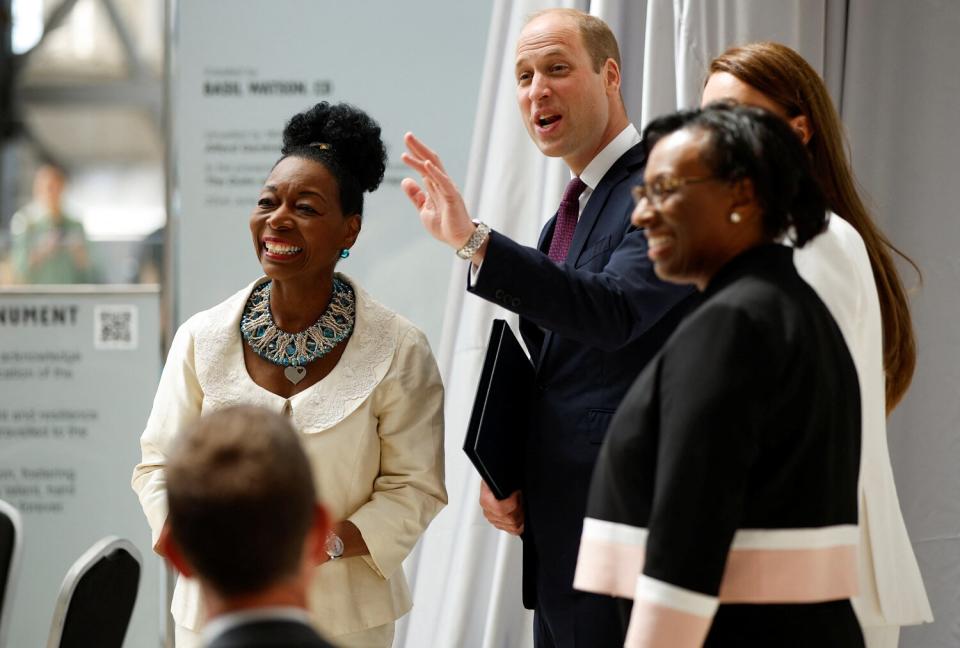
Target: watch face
(334, 546)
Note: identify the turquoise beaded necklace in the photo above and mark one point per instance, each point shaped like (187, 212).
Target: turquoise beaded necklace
(297, 349)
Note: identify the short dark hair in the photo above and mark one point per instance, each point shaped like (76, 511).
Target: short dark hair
(598, 38)
(749, 142)
(346, 141)
(241, 499)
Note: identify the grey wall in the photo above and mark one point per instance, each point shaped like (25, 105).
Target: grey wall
(901, 102)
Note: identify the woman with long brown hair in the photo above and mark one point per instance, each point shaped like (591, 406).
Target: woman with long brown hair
(851, 267)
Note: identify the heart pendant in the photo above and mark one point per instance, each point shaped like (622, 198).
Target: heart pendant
(295, 374)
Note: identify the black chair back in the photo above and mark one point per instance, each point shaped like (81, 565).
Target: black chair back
(97, 597)
(11, 539)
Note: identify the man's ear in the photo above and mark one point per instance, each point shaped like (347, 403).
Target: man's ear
(167, 547)
(801, 126)
(611, 76)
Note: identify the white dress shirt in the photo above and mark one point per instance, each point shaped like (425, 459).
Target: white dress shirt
(593, 173)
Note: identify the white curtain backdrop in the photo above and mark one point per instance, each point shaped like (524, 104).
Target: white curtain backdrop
(890, 66)
(465, 574)
(682, 36)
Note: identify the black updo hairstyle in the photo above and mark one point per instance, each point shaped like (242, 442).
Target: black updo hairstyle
(346, 141)
(749, 142)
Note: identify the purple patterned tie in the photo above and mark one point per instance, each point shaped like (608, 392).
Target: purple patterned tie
(567, 216)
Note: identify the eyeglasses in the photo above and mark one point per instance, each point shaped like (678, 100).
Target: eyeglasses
(662, 188)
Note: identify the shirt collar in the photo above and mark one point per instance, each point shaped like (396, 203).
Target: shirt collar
(224, 622)
(599, 165)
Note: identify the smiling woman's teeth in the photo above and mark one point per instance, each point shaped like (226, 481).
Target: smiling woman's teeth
(657, 241)
(280, 248)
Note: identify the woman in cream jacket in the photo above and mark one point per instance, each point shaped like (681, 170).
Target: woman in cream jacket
(364, 391)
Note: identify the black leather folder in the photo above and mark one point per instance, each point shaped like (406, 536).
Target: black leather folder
(497, 434)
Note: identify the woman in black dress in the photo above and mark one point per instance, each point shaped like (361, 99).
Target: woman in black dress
(723, 508)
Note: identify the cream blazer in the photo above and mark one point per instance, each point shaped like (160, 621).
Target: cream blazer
(372, 429)
(836, 265)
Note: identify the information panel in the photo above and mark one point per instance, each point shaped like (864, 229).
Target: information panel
(240, 70)
(78, 372)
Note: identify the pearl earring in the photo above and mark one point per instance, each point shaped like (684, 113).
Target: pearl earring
(735, 217)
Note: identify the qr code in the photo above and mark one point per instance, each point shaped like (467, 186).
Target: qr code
(115, 327)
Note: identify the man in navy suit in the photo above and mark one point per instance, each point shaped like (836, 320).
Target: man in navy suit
(244, 521)
(592, 311)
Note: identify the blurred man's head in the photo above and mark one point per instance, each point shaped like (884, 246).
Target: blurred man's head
(568, 85)
(48, 183)
(243, 516)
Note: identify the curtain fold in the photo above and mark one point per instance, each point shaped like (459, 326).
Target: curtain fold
(682, 36)
(465, 574)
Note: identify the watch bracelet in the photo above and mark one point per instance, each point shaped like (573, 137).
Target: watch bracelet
(476, 240)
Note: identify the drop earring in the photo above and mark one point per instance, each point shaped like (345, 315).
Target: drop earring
(735, 217)
(344, 253)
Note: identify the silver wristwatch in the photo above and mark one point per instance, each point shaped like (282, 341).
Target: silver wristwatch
(334, 546)
(473, 243)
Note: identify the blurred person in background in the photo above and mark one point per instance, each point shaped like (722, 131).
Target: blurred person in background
(47, 246)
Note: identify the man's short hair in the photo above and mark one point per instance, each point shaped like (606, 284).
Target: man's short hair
(598, 39)
(241, 499)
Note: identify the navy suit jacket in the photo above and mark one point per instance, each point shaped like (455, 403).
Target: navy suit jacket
(591, 324)
(279, 633)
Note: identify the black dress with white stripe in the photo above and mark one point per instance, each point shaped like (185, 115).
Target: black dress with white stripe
(724, 501)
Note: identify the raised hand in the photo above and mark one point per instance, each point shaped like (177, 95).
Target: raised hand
(439, 202)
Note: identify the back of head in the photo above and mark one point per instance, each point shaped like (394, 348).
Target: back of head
(241, 499)
(344, 139)
(745, 142)
(787, 79)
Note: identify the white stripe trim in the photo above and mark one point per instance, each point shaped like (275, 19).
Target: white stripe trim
(819, 538)
(606, 531)
(807, 538)
(660, 593)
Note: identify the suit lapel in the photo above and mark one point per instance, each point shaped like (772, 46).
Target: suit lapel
(546, 234)
(624, 165)
(598, 199)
